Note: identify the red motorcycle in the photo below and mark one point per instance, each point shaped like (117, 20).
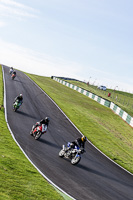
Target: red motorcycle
(13, 76)
(36, 132)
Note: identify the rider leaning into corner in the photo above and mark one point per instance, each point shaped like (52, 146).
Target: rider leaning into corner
(19, 98)
(14, 73)
(80, 142)
(44, 122)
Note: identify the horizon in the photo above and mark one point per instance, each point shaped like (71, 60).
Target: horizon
(88, 40)
(68, 78)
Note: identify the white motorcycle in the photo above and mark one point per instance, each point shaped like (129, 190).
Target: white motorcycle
(72, 153)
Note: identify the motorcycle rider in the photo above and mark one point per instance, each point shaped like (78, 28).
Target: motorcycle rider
(44, 122)
(80, 142)
(19, 98)
(14, 73)
(11, 70)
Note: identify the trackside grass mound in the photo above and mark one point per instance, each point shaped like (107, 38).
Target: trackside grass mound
(18, 178)
(123, 99)
(102, 127)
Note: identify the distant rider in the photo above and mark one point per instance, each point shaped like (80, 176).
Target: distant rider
(44, 122)
(11, 70)
(19, 98)
(14, 73)
(80, 142)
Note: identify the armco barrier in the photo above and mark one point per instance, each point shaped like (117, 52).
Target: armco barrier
(85, 92)
(125, 116)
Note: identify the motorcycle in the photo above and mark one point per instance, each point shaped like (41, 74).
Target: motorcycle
(13, 76)
(72, 153)
(16, 105)
(36, 132)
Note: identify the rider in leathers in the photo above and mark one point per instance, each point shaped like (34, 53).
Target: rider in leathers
(45, 122)
(19, 98)
(80, 142)
(11, 70)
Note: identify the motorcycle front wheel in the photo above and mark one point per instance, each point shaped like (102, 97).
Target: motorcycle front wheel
(38, 135)
(75, 160)
(14, 109)
(31, 133)
(61, 153)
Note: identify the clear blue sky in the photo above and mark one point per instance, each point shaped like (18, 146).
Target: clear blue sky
(83, 39)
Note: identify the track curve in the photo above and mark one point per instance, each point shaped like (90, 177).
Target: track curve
(94, 178)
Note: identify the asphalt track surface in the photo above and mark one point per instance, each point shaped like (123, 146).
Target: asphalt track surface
(94, 178)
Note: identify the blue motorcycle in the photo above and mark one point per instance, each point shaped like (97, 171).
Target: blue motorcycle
(72, 153)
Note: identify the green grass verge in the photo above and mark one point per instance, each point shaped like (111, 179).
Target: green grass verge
(103, 128)
(1, 89)
(18, 178)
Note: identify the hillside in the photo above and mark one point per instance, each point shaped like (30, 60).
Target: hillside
(123, 99)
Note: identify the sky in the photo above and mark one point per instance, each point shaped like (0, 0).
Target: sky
(89, 40)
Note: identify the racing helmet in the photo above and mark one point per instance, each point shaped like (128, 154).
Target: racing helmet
(21, 95)
(47, 120)
(84, 138)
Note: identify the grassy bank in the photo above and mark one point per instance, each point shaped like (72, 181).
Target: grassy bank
(102, 127)
(18, 178)
(1, 89)
(123, 99)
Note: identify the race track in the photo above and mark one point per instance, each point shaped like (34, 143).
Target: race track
(94, 178)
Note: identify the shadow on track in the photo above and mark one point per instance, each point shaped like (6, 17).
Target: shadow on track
(26, 115)
(15, 80)
(102, 174)
(48, 143)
